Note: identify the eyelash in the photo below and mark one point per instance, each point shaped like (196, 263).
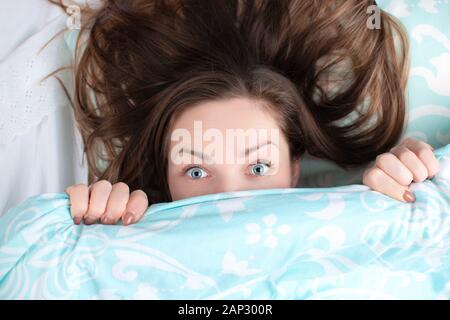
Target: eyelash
(267, 163)
(186, 169)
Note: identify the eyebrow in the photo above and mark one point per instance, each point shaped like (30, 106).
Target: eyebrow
(195, 153)
(252, 149)
(247, 151)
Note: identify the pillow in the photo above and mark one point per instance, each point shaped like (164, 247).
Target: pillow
(427, 23)
(344, 242)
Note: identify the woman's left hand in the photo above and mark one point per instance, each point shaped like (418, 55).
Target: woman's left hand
(393, 172)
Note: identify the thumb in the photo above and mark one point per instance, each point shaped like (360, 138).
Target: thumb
(136, 207)
(408, 196)
(380, 181)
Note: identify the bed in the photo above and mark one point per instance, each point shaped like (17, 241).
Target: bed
(307, 243)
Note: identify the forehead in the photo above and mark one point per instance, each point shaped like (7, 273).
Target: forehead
(233, 113)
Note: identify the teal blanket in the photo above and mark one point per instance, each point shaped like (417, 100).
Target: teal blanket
(333, 243)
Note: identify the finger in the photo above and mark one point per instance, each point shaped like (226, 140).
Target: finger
(424, 152)
(410, 141)
(79, 199)
(412, 162)
(136, 207)
(392, 166)
(117, 203)
(378, 180)
(98, 200)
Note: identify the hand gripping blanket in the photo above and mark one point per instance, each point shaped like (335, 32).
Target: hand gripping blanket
(334, 243)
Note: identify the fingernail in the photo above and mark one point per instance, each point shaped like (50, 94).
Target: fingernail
(106, 220)
(77, 220)
(408, 196)
(128, 218)
(88, 221)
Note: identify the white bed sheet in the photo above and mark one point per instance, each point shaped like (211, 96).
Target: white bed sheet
(40, 147)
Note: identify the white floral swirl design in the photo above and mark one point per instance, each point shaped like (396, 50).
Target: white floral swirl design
(343, 242)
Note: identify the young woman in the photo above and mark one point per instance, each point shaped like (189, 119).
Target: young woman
(312, 70)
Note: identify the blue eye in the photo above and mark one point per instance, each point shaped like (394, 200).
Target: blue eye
(260, 169)
(196, 173)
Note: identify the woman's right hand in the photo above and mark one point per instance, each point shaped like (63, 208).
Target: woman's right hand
(106, 203)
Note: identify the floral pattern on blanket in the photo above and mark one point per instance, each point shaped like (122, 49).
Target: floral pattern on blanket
(330, 243)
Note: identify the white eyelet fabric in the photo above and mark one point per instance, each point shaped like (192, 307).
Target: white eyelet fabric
(24, 98)
(40, 147)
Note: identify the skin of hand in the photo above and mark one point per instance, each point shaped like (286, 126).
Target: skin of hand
(106, 203)
(393, 172)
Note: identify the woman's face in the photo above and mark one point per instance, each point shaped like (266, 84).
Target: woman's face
(228, 145)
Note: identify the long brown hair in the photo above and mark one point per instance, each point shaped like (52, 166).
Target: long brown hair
(337, 85)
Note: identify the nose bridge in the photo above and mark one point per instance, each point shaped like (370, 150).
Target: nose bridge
(230, 179)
